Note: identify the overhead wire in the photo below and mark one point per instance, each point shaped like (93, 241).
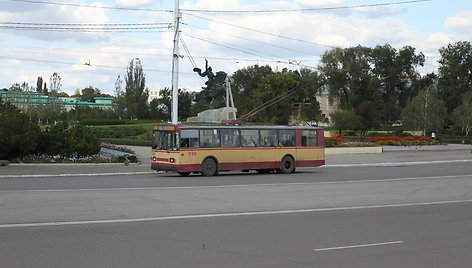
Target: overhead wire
(187, 51)
(189, 56)
(269, 103)
(306, 9)
(114, 28)
(85, 27)
(92, 6)
(262, 32)
(248, 39)
(75, 63)
(248, 52)
(228, 46)
(137, 54)
(223, 11)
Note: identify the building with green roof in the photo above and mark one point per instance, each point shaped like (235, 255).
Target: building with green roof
(25, 99)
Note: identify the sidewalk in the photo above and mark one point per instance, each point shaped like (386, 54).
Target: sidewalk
(446, 147)
(143, 153)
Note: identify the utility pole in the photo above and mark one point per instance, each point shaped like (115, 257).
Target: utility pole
(175, 65)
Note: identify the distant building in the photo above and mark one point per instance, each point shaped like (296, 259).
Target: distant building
(24, 99)
(153, 94)
(326, 107)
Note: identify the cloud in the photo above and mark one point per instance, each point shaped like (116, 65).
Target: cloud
(378, 12)
(15, 7)
(320, 3)
(461, 23)
(133, 3)
(55, 14)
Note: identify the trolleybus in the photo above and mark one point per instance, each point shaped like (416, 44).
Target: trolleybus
(209, 149)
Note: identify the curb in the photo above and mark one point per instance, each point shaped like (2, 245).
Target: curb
(398, 164)
(75, 175)
(354, 150)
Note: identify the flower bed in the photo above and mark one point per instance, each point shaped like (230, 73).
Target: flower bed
(344, 142)
(334, 141)
(404, 141)
(379, 141)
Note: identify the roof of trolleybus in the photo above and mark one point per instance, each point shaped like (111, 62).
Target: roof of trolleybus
(178, 127)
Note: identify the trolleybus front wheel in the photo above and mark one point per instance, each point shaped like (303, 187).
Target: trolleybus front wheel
(287, 165)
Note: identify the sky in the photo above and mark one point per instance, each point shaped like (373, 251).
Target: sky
(91, 42)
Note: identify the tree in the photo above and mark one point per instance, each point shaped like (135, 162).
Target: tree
(161, 107)
(377, 81)
(15, 87)
(45, 89)
(455, 70)
(244, 83)
(425, 112)
(463, 114)
(25, 87)
(55, 83)
(136, 94)
(18, 135)
(185, 103)
(351, 82)
(275, 85)
(89, 93)
(119, 101)
(76, 92)
(39, 84)
(345, 120)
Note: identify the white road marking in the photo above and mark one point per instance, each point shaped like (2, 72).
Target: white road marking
(398, 164)
(76, 174)
(232, 214)
(244, 185)
(360, 246)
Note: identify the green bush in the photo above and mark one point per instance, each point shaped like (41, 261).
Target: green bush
(18, 135)
(68, 141)
(105, 122)
(119, 131)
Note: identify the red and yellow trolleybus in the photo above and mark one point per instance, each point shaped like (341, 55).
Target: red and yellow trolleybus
(212, 148)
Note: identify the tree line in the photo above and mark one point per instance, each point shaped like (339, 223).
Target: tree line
(372, 88)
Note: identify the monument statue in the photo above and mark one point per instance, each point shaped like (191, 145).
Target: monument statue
(215, 86)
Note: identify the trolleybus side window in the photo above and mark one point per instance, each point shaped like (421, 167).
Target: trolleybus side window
(309, 138)
(250, 137)
(286, 138)
(268, 137)
(209, 138)
(230, 138)
(189, 138)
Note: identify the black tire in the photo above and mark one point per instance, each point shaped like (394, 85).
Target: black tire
(209, 167)
(184, 174)
(287, 165)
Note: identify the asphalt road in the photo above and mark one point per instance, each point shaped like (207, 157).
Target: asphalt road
(399, 209)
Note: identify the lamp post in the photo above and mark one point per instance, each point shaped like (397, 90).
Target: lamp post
(175, 65)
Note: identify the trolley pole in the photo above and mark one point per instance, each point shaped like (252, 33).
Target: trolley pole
(175, 65)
